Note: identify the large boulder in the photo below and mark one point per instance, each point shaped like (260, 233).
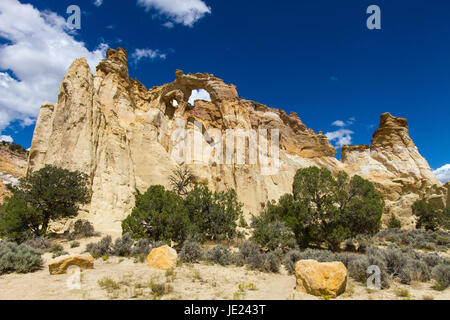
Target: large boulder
(61, 264)
(162, 258)
(321, 279)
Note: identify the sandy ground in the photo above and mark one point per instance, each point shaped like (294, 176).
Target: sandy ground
(132, 280)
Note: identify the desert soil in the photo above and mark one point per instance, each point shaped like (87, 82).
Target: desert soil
(189, 282)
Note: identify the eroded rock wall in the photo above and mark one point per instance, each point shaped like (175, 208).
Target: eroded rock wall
(124, 136)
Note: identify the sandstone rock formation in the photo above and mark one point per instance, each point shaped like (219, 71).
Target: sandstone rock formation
(61, 264)
(162, 258)
(321, 279)
(393, 163)
(13, 166)
(125, 138)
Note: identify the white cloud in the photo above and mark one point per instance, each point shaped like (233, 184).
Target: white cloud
(6, 139)
(98, 3)
(39, 50)
(443, 173)
(199, 95)
(185, 12)
(339, 123)
(341, 136)
(140, 54)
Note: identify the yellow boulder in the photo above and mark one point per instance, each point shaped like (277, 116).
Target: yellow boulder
(321, 279)
(162, 258)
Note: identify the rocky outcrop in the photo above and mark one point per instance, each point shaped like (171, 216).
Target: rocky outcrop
(13, 166)
(162, 258)
(127, 138)
(327, 279)
(393, 163)
(61, 264)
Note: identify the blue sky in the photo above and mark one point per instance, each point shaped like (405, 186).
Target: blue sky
(314, 57)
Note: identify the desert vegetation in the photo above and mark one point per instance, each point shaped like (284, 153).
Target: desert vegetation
(325, 218)
(46, 195)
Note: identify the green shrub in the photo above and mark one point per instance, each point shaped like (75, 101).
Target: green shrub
(59, 254)
(220, 255)
(428, 215)
(325, 209)
(56, 247)
(213, 215)
(159, 215)
(18, 220)
(101, 248)
(441, 273)
(19, 258)
(191, 251)
(394, 222)
(75, 244)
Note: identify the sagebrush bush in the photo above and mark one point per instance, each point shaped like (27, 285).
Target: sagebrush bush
(142, 246)
(82, 229)
(123, 246)
(191, 251)
(441, 273)
(39, 243)
(432, 259)
(417, 239)
(220, 255)
(272, 235)
(290, 259)
(19, 258)
(101, 248)
(357, 268)
(264, 262)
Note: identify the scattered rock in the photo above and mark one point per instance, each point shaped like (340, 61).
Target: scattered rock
(321, 279)
(162, 258)
(61, 264)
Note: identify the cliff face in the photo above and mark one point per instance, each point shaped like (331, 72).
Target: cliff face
(124, 137)
(13, 166)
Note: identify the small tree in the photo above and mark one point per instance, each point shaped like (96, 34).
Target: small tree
(159, 215)
(46, 195)
(213, 215)
(181, 180)
(327, 209)
(427, 215)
